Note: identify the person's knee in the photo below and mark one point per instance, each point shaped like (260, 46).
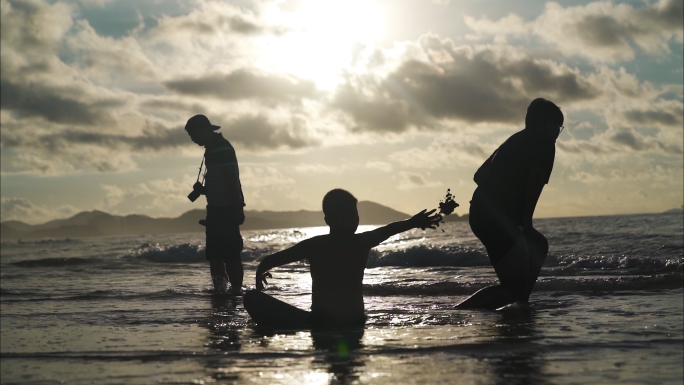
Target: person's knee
(217, 267)
(251, 298)
(538, 243)
(234, 265)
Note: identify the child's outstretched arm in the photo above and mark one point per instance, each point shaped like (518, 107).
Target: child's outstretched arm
(293, 254)
(423, 220)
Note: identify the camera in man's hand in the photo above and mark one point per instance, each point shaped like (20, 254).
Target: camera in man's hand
(197, 190)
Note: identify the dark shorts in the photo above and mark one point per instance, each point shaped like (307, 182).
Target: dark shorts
(497, 231)
(224, 241)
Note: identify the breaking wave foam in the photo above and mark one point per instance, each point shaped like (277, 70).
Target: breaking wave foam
(417, 256)
(555, 284)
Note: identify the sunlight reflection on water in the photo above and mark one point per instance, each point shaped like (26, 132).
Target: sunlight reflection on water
(294, 235)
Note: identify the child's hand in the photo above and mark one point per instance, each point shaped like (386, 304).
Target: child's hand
(261, 280)
(425, 220)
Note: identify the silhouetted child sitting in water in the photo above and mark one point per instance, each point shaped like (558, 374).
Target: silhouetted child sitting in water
(337, 262)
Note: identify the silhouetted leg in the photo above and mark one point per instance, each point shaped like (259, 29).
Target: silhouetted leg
(538, 250)
(513, 273)
(267, 311)
(235, 275)
(218, 275)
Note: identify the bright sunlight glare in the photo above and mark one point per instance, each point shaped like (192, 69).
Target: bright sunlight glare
(322, 38)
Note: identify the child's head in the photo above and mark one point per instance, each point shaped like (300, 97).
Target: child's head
(339, 208)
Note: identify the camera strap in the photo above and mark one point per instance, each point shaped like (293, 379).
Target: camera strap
(200, 171)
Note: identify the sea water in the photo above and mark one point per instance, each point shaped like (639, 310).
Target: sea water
(608, 308)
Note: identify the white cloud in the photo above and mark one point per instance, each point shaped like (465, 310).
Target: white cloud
(256, 177)
(409, 180)
(22, 209)
(318, 169)
(378, 165)
(113, 196)
(449, 151)
(602, 31)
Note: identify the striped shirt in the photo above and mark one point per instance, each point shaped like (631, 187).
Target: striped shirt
(218, 154)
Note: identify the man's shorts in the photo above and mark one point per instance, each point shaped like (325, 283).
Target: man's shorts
(497, 231)
(224, 241)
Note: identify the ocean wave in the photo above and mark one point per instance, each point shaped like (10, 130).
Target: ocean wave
(555, 284)
(53, 262)
(184, 253)
(98, 295)
(458, 256)
(419, 256)
(55, 240)
(402, 288)
(425, 256)
(154, 252)
(615, 262)
(42, 242)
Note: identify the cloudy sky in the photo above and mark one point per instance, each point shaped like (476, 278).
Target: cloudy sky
(394, 100)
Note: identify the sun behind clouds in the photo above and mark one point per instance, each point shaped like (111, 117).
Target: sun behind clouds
(321, 39)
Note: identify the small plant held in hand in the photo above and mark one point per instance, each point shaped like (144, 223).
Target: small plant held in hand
(447, 205)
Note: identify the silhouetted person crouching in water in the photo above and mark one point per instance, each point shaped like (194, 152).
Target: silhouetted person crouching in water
(225, 204)
(509, 185)
(337, 262)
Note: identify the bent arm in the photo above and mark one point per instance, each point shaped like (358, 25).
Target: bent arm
(535, 185)
(293, 254)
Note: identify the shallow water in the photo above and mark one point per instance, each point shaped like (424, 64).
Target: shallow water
(608, 309)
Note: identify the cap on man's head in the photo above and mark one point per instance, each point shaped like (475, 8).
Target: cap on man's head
(199, 121)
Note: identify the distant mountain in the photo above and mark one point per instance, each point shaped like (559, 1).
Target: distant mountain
(98, 223)
(674, 211)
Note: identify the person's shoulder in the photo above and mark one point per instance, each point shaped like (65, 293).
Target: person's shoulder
(312, 246)
(512, 144)
(220, 148)
(222, 142)
(316, 241)
(515, 139)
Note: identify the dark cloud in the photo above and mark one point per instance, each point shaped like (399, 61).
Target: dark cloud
(606, 30)
(542, 78)
(175, 106)
(235, 23)
(378, 113)
(655, 117)
(580, 147)
(599, 30)
(639, 143)
(64, 141)
(243, 84)
(667, 14)
(603, 31)
(54, 104)
(34, 25)
(630, 140)
(257, 132)
(250, 132)
(417, 179)
(472, 87)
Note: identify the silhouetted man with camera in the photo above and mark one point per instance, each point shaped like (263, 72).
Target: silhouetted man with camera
(225, 204)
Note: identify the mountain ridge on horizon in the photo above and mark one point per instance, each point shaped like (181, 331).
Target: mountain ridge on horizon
(99, 223)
